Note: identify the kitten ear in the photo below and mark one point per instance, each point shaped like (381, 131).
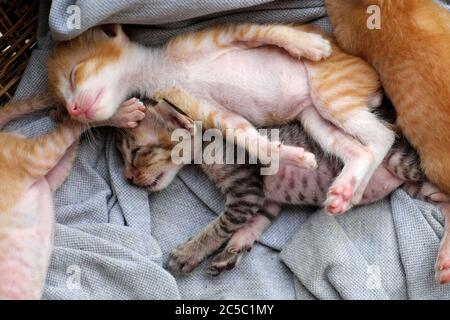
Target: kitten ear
(111, 30)
(173, 118)
(114, 32)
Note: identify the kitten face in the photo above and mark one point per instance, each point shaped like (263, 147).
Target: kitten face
(147, 149)
(83, 73)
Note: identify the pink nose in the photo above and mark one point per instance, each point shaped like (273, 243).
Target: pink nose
(75, 110)
(81, 105)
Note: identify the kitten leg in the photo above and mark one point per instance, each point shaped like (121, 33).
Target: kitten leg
(356, 159)
(186, 257)
(242, 241)
(376, 140)
(44, 153)
(244, 133)
(429, 192)
(298, 43)
(342, 88)
(443, 260)
(60, 172)
(21, 108)
(244, 193)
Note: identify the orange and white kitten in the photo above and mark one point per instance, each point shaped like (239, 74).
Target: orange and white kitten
(411, 52)
(30, 170)
(237, 77)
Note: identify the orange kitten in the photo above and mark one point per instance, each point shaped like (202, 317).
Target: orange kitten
(30, 170)
(238, 77)
(411, 52)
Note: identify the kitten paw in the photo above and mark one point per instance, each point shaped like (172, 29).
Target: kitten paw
(185, 258)
(443, 261)
(228, 259)
(339, 199)
(129, 114)
(312, 47)
(298, 157)
(443, 275)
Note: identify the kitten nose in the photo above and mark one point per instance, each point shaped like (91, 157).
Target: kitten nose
(74, 109)
(128, 175)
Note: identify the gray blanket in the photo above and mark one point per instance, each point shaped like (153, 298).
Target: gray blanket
(112, 239)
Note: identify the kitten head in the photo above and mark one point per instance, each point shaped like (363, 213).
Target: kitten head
(84, 73)
(147, 149)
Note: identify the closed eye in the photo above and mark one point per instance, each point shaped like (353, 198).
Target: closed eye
(72, 79)
(134, 151)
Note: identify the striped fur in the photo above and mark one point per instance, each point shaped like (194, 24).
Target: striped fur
(252, 200)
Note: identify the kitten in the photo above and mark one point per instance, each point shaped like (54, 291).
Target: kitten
(252, 200)
(235, 77)
(411, 52)
(30, 170)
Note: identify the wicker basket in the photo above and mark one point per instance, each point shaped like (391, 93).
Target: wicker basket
(18, 24)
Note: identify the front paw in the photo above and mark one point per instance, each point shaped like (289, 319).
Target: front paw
(185, 258)
(312, 47)
(129, 114)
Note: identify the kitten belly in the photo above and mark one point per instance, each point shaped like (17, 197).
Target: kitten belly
(26, 233)
(265, 85)
(293, 185)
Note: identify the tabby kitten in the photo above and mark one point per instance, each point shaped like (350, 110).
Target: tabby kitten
(253, 200)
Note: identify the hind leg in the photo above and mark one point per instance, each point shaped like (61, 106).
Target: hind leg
(430, 193)
(356, 158)
(364, 126)
(372, 141)
(243, 240)
(343, 88)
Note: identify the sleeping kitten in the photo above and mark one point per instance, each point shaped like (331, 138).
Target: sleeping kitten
(31, 169)
(252, 200)
(235, 77)
(411, 52)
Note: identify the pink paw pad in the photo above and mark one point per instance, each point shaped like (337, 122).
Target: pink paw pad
(339, 199)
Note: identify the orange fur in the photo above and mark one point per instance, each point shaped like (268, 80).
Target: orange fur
(338, 85)
(22, 160)
(91, 52)
(411, 52)
(26, 207)
(30, 170)
(187, 46)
